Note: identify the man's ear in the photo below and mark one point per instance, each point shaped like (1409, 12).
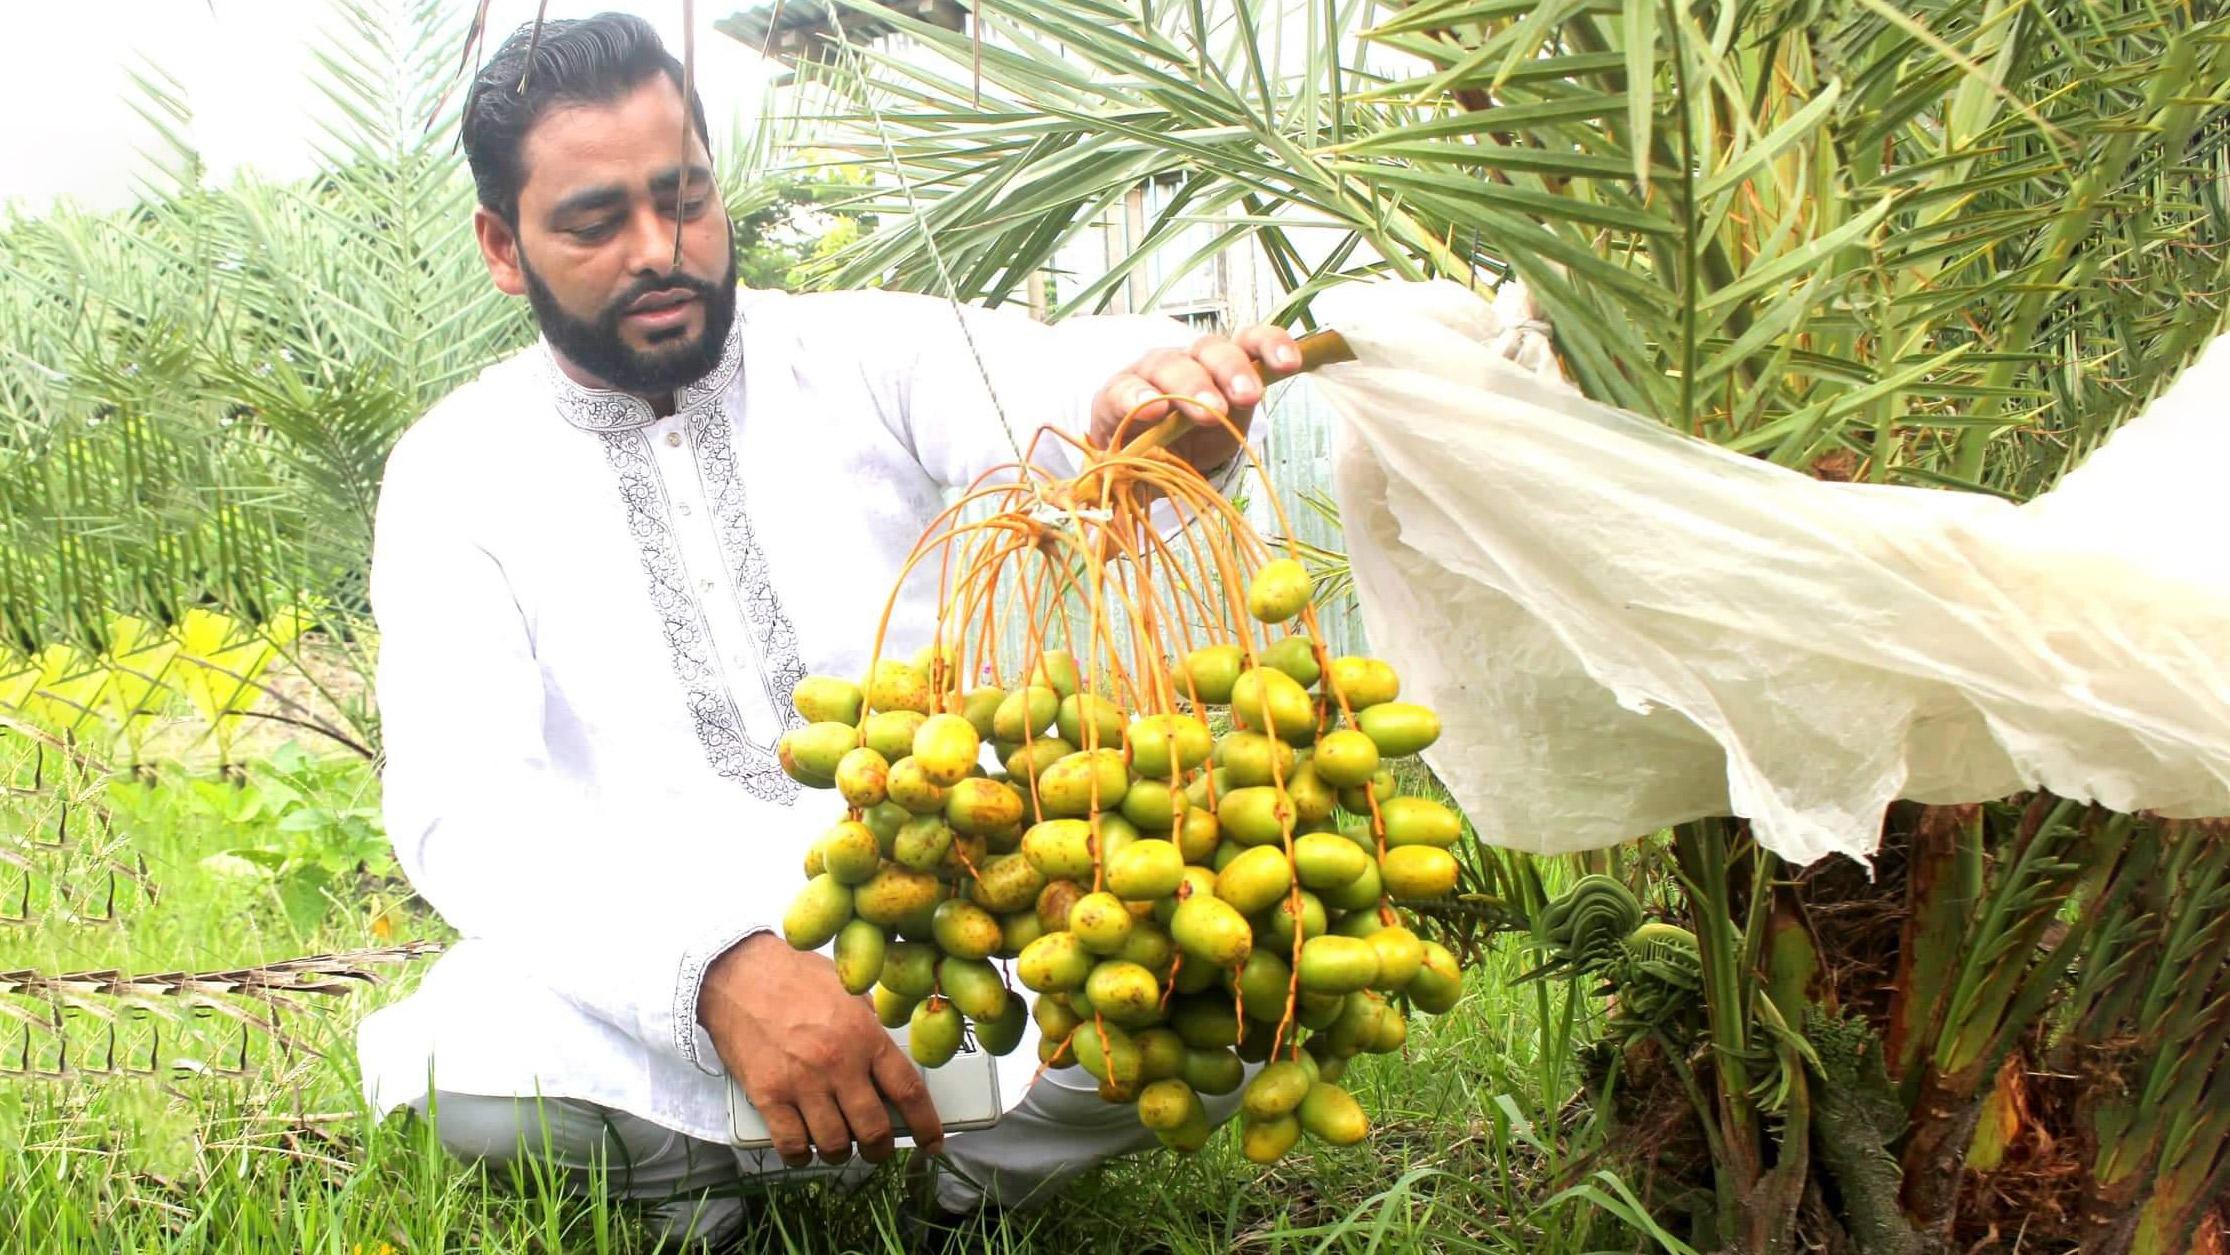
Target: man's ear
(499, 247)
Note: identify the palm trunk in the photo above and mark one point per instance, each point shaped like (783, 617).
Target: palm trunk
(1942, 881)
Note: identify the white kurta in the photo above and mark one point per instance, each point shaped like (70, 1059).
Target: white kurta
(591, 620)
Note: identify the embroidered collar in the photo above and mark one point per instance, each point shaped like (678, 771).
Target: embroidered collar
(599, 409)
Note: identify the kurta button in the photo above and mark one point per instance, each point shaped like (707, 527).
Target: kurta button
(682, 508)
(673, 438)
(705, 584)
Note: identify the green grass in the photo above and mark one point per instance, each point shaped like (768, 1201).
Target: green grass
(284, 1158)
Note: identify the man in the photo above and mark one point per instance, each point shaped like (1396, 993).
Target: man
(599, 571)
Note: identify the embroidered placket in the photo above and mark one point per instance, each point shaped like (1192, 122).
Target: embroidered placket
(699, 473)
(732, 646)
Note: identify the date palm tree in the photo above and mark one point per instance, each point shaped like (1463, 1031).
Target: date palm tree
(1951, 244)
(202, 387)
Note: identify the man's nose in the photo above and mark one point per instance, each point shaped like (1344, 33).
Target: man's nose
(650, 241)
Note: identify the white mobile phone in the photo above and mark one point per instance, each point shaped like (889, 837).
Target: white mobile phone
(965, 1091)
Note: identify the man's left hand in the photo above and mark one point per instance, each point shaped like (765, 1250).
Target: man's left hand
(1219, 376)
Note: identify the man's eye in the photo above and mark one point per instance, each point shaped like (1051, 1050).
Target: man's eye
(590, 232)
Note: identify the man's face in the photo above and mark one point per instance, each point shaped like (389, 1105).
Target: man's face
(593, 251)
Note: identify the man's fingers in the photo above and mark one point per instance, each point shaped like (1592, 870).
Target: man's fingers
(1231, 368)
(1127, 392)
(831, 1136)
(787, 1128)
(896, 1077)
(1274, 347)
(1220, 377)
(1182, 375)
(862, 1105)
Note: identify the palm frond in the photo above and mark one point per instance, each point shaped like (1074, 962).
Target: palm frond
(1947, 206)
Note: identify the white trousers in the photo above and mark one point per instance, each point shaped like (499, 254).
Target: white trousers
(1059, 1129)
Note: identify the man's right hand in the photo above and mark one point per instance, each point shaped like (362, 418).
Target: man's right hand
(812, 1059)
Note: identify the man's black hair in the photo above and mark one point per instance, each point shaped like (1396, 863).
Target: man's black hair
(577, 61)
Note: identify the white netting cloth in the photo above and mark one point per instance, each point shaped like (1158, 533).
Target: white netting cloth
(1623, 628)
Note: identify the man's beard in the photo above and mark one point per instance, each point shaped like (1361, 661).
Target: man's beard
(595, 346)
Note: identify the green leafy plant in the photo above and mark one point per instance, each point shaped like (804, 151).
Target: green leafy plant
(310, 846)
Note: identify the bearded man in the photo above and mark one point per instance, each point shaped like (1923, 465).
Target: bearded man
(599, 571)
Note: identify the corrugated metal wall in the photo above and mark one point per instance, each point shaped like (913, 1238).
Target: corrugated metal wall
(1297, 448)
